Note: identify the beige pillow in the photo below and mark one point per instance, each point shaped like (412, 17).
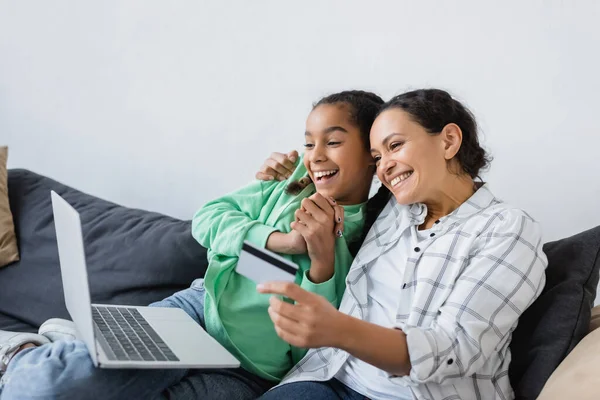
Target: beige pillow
(577, 376)
(8, 241)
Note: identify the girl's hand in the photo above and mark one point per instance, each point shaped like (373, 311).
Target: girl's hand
(315, 221)
(311, 322)
(278, 166)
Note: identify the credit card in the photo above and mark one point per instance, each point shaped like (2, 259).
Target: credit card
(262, 265)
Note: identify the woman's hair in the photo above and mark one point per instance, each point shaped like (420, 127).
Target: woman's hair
(433, 109)
(363, 107)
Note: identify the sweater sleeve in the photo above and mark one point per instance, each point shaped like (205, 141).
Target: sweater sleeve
(223, 224)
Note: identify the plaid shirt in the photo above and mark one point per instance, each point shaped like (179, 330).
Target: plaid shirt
(463, 291)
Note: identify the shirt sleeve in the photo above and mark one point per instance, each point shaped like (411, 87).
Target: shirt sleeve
(223, 224)
(502, 276)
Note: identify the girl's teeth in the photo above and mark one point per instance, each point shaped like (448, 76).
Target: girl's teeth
(321, 174)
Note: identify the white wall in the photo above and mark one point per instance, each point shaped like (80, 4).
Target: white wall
(165, 105)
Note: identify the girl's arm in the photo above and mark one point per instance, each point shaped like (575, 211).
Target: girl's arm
(223, 224)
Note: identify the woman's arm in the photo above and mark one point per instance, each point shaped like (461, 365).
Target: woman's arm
(312, 322)
(504, 275)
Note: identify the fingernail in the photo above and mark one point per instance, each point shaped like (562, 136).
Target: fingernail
(293, 158)
(271, 178)
(339, 219)
(339, 233)
(332, 199)
(260, 286)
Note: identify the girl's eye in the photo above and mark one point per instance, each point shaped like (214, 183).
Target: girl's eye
(308, 145)
(376, 159)
(395, 145)
(333, 143)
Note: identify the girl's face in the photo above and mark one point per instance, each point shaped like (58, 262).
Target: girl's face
(336, 157)
(411, 163)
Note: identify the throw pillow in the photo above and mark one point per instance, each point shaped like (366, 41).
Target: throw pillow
(560, 317)
(9, 252)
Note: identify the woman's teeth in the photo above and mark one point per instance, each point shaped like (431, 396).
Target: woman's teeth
(401, 178)
(321, 174)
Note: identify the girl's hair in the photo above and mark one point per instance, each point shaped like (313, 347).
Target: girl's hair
(433, 109)
(363, 107)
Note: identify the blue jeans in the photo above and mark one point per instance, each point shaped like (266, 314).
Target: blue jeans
(64, 370)
(309, 390)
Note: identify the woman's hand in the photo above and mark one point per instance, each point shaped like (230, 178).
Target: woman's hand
(309, 323)
(278, 166)
(286, 243)
(316, 221)
(312, 323)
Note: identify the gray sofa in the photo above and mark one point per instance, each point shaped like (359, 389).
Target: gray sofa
(137, 257)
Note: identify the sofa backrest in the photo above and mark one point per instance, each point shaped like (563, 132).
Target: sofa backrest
(134, 256)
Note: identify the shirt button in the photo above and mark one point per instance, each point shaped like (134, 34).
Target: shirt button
(450, 361)
(432, 235)
(417, 249)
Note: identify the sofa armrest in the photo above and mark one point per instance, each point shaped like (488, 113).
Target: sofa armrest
(577, 376)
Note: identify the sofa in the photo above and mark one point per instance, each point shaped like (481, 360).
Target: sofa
(137, 257)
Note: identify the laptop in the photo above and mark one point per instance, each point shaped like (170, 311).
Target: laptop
(127, 336)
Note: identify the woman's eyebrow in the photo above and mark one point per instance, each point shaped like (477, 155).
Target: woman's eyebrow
(387, 139)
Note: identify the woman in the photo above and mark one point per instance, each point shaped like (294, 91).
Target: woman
(313, 225)
(439, 283)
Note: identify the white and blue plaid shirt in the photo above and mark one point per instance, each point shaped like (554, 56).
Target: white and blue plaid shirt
(463, 291)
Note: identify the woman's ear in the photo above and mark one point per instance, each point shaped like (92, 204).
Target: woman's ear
(452, 140)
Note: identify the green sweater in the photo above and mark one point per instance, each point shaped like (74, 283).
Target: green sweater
(235, 313)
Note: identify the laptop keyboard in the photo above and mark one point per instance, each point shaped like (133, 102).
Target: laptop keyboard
(127, 336)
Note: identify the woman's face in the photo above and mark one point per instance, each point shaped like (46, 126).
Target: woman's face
(411, 163)
(336, 157)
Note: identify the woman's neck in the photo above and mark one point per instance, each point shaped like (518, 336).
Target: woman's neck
(449, 198)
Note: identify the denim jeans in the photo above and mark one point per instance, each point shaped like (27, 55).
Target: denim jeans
(309, 390)
(64, 370)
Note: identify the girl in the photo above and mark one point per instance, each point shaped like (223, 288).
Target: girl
(312, 222)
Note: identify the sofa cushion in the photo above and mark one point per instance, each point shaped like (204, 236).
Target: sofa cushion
(576, 377)
(133, 256)
(560, 317)
(8, 241)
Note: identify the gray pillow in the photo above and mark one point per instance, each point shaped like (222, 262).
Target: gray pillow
(134, 256)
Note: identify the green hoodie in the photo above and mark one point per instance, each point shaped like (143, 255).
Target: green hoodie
(235, 313)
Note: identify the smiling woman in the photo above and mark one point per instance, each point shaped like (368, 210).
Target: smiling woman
(426, 149)
(439, 283)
